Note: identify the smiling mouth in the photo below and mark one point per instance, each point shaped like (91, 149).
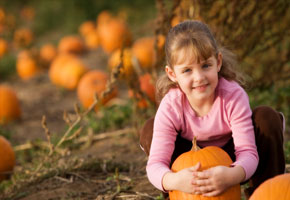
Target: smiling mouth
(201, 87)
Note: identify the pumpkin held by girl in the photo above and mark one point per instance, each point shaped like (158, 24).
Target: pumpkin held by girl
(208, 157)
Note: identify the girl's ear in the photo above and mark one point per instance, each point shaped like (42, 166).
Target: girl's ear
(219, 61)
(170, 73)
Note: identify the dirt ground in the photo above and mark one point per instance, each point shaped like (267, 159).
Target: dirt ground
(39, 97)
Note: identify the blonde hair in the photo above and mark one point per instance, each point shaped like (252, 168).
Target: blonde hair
(193, 39)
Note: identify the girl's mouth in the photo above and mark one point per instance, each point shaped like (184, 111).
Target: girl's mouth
(201, 88)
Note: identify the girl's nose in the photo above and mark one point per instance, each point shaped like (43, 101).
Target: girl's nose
(198, 75)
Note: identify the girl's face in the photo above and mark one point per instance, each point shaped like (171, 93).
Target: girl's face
(197, 80)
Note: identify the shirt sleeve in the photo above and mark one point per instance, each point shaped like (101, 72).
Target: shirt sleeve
(166, 124)
(240, 119)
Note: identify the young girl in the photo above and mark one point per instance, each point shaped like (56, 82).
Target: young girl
(203, 98)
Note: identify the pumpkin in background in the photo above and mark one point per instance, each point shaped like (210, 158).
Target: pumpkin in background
(93, 83)
(115, 59)
(66, 71)
(47, 52)
(114, 34)
(71, 44)
(274, 188)
(27, 13)
(147, 86)
(3, 47)
(7, 158)
(208, 157)
(26, 65)
(92, 39)
(87, 27)
(9, 105)
(144, 50)
(103, 18)
(2, 15)
(23, 37)
(56, 66)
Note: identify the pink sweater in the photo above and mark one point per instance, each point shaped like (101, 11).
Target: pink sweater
(230, 116)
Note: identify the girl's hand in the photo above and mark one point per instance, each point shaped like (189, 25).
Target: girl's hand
(181, 180)
(216, 180)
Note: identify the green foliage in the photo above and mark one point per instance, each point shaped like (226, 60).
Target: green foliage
(276, 97)
(4, 132)
(7, 65)
(110, 118)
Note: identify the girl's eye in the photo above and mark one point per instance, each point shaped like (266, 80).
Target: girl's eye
(186, 70)
(205, 66)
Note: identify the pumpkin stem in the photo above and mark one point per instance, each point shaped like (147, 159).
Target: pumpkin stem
(194, 145)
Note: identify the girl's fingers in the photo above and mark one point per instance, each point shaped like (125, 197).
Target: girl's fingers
(204, 189)
(202, 175)
(201, 182)
(212, 193)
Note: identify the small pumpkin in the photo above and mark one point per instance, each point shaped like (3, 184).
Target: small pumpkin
(147, 86)
(115, 60)
(9, 105)
(114, 34)
(7, 158)
(3, 47)
(274, 188)
(92, 39)
(2, 15)
(103, 17)
(66, 71)
(71, 44)
(210, 156)
(26, 65)
(93, 83)
(47, 52)
(143, 49)
(27, 13)
(23, 37)
(87, 27)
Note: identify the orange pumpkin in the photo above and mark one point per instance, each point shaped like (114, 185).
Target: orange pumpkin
(274, 188)
(3, 47)
(26, 65)
(28, 13)
(87, 27)
(92, 39)
(66, 71)
(71, 44)
(9, 105)
(144, 50)
(7, 158)
(93, 83)
(47, 52)
(146, 86)
(2, 15)
(115, 60)
(114, 34)
(103, 18)
(208, 157)
(23, 37)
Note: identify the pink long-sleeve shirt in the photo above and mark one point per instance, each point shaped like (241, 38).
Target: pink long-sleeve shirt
(229, 117)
